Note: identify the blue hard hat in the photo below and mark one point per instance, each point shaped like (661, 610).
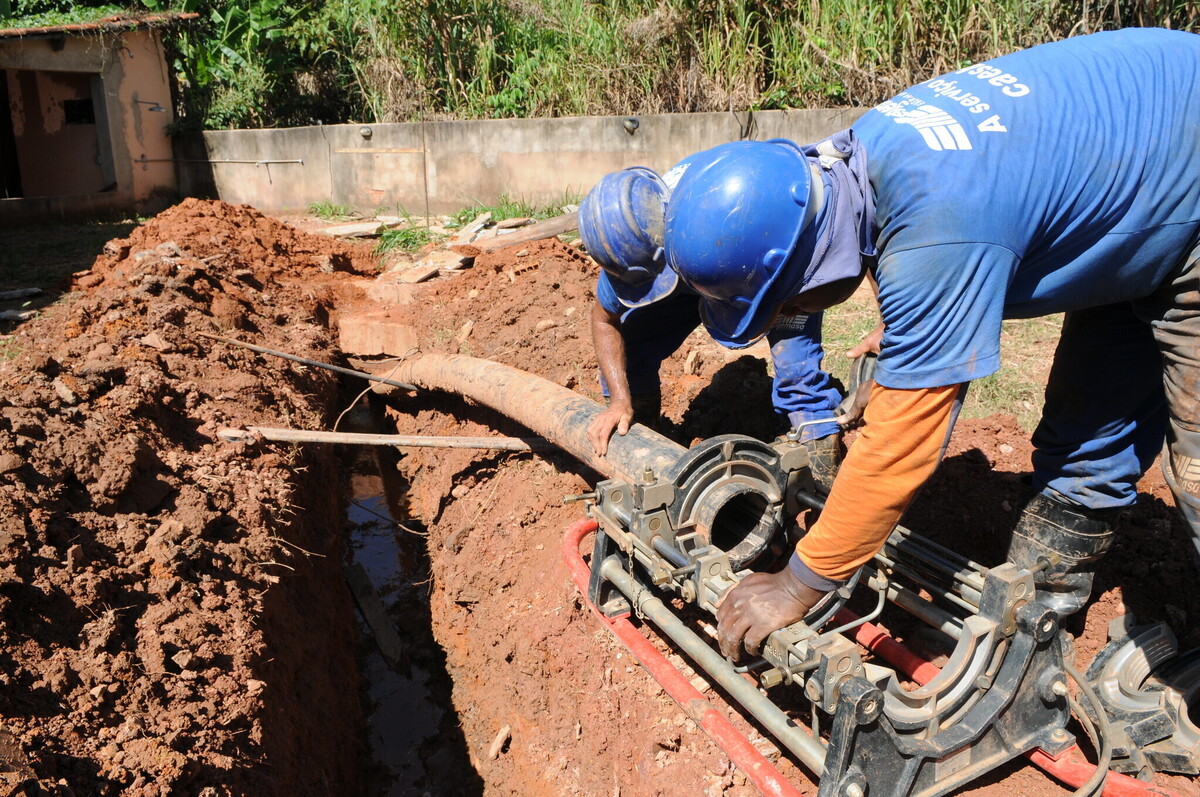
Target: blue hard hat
(732, 229)
(621, 223)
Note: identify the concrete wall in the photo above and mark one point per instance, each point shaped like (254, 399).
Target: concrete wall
(132, 151)
(441, 167)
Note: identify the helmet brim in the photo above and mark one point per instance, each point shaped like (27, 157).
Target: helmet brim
(732, 327)
(648, 292)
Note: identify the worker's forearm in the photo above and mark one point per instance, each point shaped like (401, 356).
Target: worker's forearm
(610, 353)
(899, 449)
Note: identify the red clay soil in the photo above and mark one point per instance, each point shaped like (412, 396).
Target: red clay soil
(520, 647)
(173, 618)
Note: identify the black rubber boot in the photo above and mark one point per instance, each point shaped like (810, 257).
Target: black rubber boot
(824, 459)
(1071, 537)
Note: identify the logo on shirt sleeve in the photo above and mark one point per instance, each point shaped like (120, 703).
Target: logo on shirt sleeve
(939, 129)
(790, 323)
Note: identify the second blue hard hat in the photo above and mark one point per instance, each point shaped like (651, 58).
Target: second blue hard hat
(621, 224)
(732, 231)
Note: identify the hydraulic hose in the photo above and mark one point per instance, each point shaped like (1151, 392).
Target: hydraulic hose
(745, 756)
(557, 413)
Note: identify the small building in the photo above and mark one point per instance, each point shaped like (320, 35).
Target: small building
(85, 111)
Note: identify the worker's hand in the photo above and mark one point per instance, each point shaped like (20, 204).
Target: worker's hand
(760, 604)
(870, 343)
(618, 416)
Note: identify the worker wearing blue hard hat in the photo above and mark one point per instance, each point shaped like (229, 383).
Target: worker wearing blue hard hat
(1060, 179)
(643, 314)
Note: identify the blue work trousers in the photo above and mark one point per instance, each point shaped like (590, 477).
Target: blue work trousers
(1126, 380)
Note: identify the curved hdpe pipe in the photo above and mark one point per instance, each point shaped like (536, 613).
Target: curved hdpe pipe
(557, 413)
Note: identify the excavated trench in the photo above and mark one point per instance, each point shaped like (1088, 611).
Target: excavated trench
(175, 611)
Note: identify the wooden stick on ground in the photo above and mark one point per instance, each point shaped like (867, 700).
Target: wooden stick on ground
(534, 232)
(416, 441)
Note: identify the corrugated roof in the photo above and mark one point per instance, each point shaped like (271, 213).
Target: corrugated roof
(114, 24)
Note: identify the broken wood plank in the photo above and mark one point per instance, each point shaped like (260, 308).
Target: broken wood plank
(419, 273)
(281, 435)
(387, 639)
(358, 229)
(516, 221)
(468, 232)
(534, 232)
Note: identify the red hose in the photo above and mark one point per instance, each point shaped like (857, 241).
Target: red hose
(758, 769)
(1070, 767)
(876, 639)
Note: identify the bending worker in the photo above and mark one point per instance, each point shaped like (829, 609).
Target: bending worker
(1064, 178)
(643, 313)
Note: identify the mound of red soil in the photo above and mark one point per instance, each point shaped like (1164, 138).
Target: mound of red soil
(172, 614)
(523, 653)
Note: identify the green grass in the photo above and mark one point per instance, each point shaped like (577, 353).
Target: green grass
(331, 212)
(409, 239)
(507, 207)
(1026, 351)
(52, 18)
(9, 348)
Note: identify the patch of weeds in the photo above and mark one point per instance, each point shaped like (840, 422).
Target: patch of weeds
(9, 347)
(409, 239)
(327, 211)
(507, 207)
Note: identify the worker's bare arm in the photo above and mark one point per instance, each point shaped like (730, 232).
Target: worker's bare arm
(610, 355)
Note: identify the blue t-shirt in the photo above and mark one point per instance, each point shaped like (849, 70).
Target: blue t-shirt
(1056, 178)
(801, 390)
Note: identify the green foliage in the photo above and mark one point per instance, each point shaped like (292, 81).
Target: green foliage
(9, 347)
(250, 63)
(47, 13)
(408, 239)
(330, 212)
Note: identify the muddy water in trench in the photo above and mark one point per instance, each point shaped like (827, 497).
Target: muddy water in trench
(414, 731)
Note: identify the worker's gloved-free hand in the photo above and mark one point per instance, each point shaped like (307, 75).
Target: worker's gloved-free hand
(760, 604)
(618, 416)
(869, 344)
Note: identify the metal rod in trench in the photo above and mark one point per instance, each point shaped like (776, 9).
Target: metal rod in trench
(306, 361)
(805, 747)
(276, 434)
